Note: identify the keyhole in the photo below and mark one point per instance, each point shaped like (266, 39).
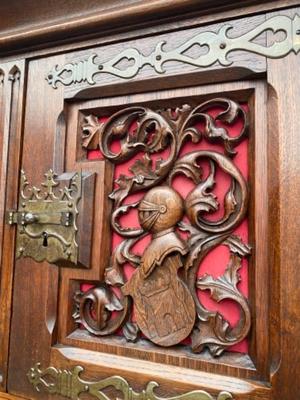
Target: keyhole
(45, 239)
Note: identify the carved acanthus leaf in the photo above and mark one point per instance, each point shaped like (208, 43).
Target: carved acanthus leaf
(125, 231)
(190, 170)
(231, 111)
(91, 128)
(143, 168)
(237, 246)
(94, 308)
(213, 330)
(230, 202)
(157, 308)
(114, 274)
(220, 286)
(131, 331)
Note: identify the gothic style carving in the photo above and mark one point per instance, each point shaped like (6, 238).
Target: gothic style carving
(102, 301)
(68, 383)
(165, 309)
(218, 44)
(163, 288)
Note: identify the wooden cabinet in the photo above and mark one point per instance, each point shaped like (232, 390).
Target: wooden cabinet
(149, 191)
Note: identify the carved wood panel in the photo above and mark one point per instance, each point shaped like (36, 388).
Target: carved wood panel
(248, 358)
(142, 315)
(160, 298)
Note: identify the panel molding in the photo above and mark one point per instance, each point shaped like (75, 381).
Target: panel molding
(65, 23)
(7, 396)
(251, 366)
(12, 77)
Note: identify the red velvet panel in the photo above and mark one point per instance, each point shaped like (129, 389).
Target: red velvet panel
(216, 261)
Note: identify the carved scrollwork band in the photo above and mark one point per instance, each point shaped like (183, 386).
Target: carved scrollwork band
(163, 287)
(68, 383)
(218, 46)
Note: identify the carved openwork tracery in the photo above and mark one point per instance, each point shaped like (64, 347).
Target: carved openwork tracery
(163, 288)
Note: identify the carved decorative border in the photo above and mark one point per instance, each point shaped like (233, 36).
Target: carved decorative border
(68, 383)
(218, 44)
(158, 130)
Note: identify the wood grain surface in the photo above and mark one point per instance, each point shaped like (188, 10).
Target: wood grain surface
(41, 128)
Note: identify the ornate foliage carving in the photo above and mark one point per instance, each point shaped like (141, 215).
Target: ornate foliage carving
(163, 288)
(218, 45)
(103, 302)
(68, 383)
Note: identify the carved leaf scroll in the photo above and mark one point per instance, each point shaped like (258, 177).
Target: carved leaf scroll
(163, 287)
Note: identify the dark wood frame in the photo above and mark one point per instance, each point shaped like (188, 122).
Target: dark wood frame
(251, 92)
(28, 29)
(11, 119)
(277, 201)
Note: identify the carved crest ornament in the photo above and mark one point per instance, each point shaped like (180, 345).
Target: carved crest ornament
(160, 298)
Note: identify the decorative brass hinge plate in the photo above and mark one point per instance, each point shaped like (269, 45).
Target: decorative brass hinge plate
(68, 383)
(219, 45)
(48, 219)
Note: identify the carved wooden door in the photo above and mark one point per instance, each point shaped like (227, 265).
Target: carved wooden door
(148, 252)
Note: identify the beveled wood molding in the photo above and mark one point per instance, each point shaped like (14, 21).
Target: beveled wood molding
(109, 16)
(6, 396)
(12, 82)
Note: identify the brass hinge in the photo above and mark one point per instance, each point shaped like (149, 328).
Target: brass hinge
(70, 384)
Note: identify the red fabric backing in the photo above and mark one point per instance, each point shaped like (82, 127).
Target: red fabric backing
(216, 261)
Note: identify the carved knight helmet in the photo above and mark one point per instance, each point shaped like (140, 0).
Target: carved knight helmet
(160, 209)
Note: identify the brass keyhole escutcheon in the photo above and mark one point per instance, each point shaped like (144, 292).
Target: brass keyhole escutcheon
(50, 219)
(45, 239)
